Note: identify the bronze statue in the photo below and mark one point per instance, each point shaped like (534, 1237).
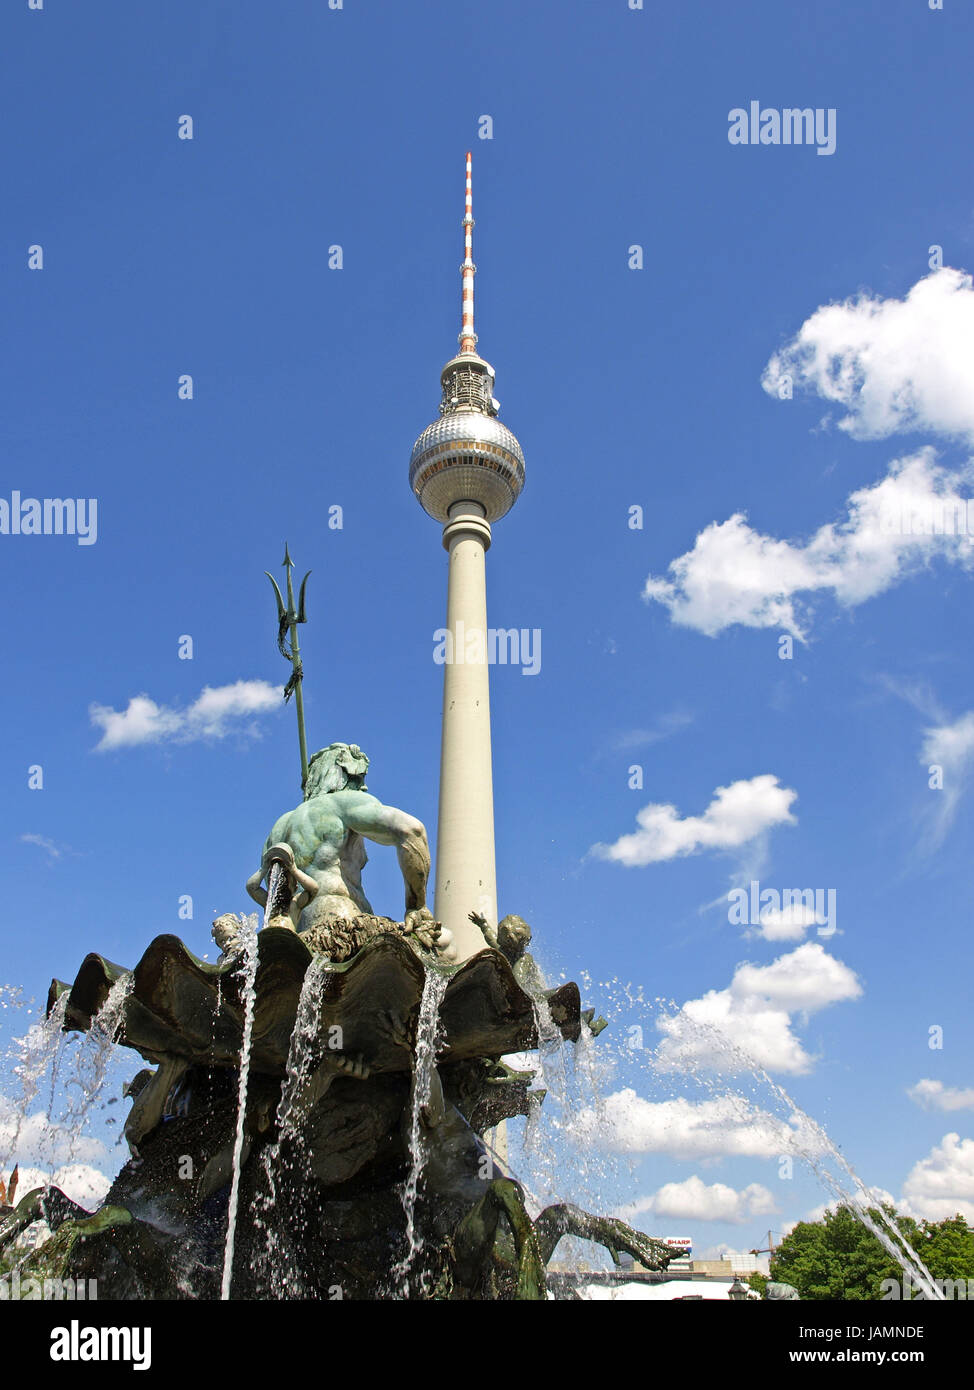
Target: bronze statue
(326, 836)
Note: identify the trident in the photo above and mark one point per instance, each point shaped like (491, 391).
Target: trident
(287, 622)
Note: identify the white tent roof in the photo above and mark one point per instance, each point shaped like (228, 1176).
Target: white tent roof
(673, 1288)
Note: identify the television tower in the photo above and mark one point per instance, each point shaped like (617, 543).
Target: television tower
(467, 471)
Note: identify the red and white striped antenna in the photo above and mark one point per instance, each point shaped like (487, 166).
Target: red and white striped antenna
(468, 338)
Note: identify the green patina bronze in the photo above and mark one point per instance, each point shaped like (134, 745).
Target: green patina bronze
(288, 618)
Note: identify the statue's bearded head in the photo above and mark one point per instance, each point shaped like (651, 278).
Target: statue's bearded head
(336, 768)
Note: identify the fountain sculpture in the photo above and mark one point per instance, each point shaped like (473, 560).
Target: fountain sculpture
(310, 1123)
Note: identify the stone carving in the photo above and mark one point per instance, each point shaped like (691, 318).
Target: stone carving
(8, 1192)
(476, 1238)
(339, 940)
(511, 937)
(180, 1006)
(777, 1291)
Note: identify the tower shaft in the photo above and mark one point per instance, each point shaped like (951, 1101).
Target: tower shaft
(466, 879)
(467, 470)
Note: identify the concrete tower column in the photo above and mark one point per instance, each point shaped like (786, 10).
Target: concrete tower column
(465, 870)
(467, 470)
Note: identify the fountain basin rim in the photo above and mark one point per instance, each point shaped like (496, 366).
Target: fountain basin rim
(182, 1006)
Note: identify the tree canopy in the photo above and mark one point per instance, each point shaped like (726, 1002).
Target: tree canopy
(838, 1258)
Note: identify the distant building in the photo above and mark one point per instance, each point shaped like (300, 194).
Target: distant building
(712, 1269)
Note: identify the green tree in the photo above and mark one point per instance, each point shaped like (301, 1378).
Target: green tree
(835, 1259)
(948, 1248)
(838, 1258)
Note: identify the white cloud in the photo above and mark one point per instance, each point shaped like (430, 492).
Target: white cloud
(723, 1126)
(942, 1184)
(951, 744)
(727, 1027)
(81, 1182)
(737, 815)
(750, 1022)
(695, 1200)
(663, 727)
(211, 715)
(948, 745)
(869, 1197)
(735, 575)
(951, 747)
(787, 923)
(806, 979)
(521, 1061)
(893, 364)
(35, 1139)
(31, 1136)
(934, 1095)
(50, 847)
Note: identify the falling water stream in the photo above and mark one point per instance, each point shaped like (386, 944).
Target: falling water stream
(34, 1053)
(302, 1052)
(424, 1061)
(563, 1071)
(552, 1067)
(814, 1141)
(575, 1126)
(93, 1054)
(84, 1085)
(249, 934)
(918, 1273)
(303, 1056)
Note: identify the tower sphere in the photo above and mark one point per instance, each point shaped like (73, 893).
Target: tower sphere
(466, 455)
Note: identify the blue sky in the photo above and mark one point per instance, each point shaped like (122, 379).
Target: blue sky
(659, 387)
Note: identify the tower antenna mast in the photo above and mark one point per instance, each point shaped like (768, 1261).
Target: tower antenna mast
(468, 338)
